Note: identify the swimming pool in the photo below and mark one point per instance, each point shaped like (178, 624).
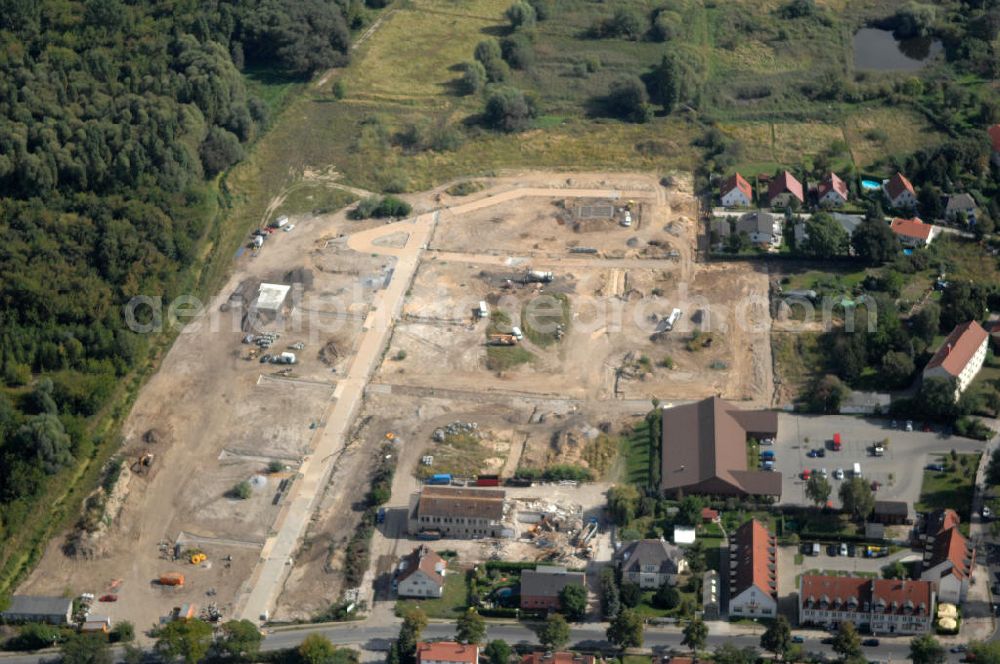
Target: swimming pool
(907, 252)
(871, 184)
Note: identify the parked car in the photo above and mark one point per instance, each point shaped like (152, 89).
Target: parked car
(987, 513)
(852, 550)
(838, 474)
(909, 425)
(876, 485)
(767, 441)
(812, 454)
(806, 473)
(843, 549)
(821, 452)
(936, 467)
(872, 643)
(926, 427)
(815, 548)
(798, 639)
(288, 228)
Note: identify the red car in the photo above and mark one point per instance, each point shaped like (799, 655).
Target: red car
(805, 474)
(876, 485)
(108, 598)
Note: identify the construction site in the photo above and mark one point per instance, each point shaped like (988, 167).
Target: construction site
(541, 309)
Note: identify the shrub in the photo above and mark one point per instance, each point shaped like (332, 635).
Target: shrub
(473, 77)
(339, 89)
(242, 490)
(521, 15)
(122, 632)
(509, 110)
(380, 208)
(275, 466)
(628, 99)
(518, 51)
(220, 150)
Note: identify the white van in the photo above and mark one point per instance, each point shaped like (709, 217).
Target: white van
(483, 311)
(857, 470)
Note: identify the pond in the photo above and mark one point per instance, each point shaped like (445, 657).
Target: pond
(879, 50)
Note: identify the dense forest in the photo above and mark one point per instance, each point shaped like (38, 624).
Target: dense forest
(115, 118)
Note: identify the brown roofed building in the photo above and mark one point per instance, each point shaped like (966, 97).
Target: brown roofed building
(421, 574)
(456, 512)
(832, 191)
(948, 562)
(561, 657)
(736, 192)
(649, 563)
(939, 521)
(753, 572)
(899, 192)
(783, 189)
(447, 652)
(703, 450)
(961, 356)
(913, 232)
(882, 606)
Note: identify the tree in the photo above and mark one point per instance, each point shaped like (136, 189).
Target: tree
(498, 652)
(896, 570)
(695, 555)
(927, 322)
(489, 55)
(631, 594)
(663, 84)
(509, 110)
(610, 597)
(846, 642)
(695, 635)
(627, 99)
(689, 511)
(925, 649)
(86, 649)
(826, 394)
(239, 639)
(316, 649)
(122, 632)
(554, 634)
(473, 77)
(414, 622)
(470, 628)
(937, 398)
(666, 597)
(985, 652)
(857, 497)
(573, 601)
(777, 638)
(521, 15)
(874, 242)
(44, 439)
(242, 490)
(961, 302)
(897, 368)
(818, 489)
(623, 501)
(518, 51)
(186, 640)
(220, 150)
(625, 630)
(826, 237)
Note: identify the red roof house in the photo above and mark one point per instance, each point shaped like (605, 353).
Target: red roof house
(832, 190)
(961, 356)
(884, 606)
(736, 192)
(753, 575)
(900, 192)
(783, 189)
(447, 652)
(913, 232)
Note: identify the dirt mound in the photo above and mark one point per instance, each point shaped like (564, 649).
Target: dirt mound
(154, 435)
(330, 352)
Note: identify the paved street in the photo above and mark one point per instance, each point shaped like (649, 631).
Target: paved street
(900, 471)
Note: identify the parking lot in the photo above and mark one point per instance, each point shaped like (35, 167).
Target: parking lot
(899, 471)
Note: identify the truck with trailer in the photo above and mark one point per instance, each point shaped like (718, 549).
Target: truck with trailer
(440, 478)
(502, 340)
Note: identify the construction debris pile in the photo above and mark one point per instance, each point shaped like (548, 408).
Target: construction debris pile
(558, 531)
(456, 429)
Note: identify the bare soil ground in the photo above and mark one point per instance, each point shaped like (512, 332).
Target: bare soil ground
(221, 416)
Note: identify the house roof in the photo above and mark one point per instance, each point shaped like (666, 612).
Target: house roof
(994, 134)
(913, 228)
(39, 605)
(832, 182)
(959, 202)
(707, 440)
(755, 222)
(939, 521)
(891, 508)
(426, 561)
(650, 552)
(897, 185)
(958, 348)
(456, 502)
(447, 651)
(737, 181)
(561, 657)
(785, 182)
(752, 559)
(952, 547)
(852, 593)
(548, 581)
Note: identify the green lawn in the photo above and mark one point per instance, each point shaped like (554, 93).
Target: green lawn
(450, 605)
(544, 320)
(638, 452)
(503, 358)
(953, 488)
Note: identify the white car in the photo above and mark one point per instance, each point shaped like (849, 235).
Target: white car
(986, 511)
(822, 473)
(288, 228)
(843, 549)
(767, 441)
(838, 474)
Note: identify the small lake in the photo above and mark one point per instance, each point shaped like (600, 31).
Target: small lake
(879, 50)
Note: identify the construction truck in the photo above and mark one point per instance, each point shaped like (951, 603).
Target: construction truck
(537, 276)
(172, 579)
(143, 464)
(502, 340)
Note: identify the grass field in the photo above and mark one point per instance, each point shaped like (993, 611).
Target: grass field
(953, 488)
(638, 452)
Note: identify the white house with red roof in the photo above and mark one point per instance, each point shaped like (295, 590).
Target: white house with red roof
(961, 356)
(948, 562)
(832, 191)
(783, 189)
(899, 192)
(914, 232)
(421, 574)
(994, 134)
(881, 606)
(736, 192)
(753, 572)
